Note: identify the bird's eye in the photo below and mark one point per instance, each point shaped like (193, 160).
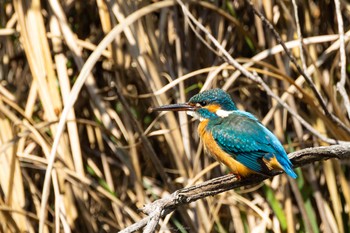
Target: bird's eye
(203, 103)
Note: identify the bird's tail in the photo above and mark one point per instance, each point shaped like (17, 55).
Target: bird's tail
(281, 162)
(289, 171)
(288, 167)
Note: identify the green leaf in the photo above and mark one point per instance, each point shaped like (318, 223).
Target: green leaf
(276, 207)
(311, 215)
(180, 227)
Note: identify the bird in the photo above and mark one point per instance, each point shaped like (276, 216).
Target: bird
(234, 137)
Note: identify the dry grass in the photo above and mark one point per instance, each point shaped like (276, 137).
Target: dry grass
(114, 156)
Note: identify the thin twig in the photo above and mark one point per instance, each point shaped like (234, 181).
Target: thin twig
(256, 78)
(341, 83)
(312, 180)
(83, 75)
(300, 35)
(166, 205)
(136, 226)
(300, 70)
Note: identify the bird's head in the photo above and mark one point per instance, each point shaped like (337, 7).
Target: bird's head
(205, 105)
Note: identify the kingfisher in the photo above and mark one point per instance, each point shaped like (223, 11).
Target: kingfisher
(233, 137)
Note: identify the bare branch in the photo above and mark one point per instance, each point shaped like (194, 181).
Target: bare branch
(136, 226)
(310, 155)
(166, 205)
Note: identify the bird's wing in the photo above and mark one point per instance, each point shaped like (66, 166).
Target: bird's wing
(242, 136)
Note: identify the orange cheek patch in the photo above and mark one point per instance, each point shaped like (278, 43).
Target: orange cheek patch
(212, 108)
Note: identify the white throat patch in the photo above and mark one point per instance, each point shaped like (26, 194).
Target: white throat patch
(223, 113)
(195, 115)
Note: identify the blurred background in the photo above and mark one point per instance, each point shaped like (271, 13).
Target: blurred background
(115, 155)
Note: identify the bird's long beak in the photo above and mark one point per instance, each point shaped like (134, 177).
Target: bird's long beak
(176, 107)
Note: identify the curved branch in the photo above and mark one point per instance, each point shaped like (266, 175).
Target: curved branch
(166, 205)
(314, 154)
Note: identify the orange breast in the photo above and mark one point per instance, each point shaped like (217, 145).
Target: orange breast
(213, 149)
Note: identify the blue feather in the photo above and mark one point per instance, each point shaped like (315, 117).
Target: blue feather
(243, 137)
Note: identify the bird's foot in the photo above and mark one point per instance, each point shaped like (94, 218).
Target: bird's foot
(236, 175)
